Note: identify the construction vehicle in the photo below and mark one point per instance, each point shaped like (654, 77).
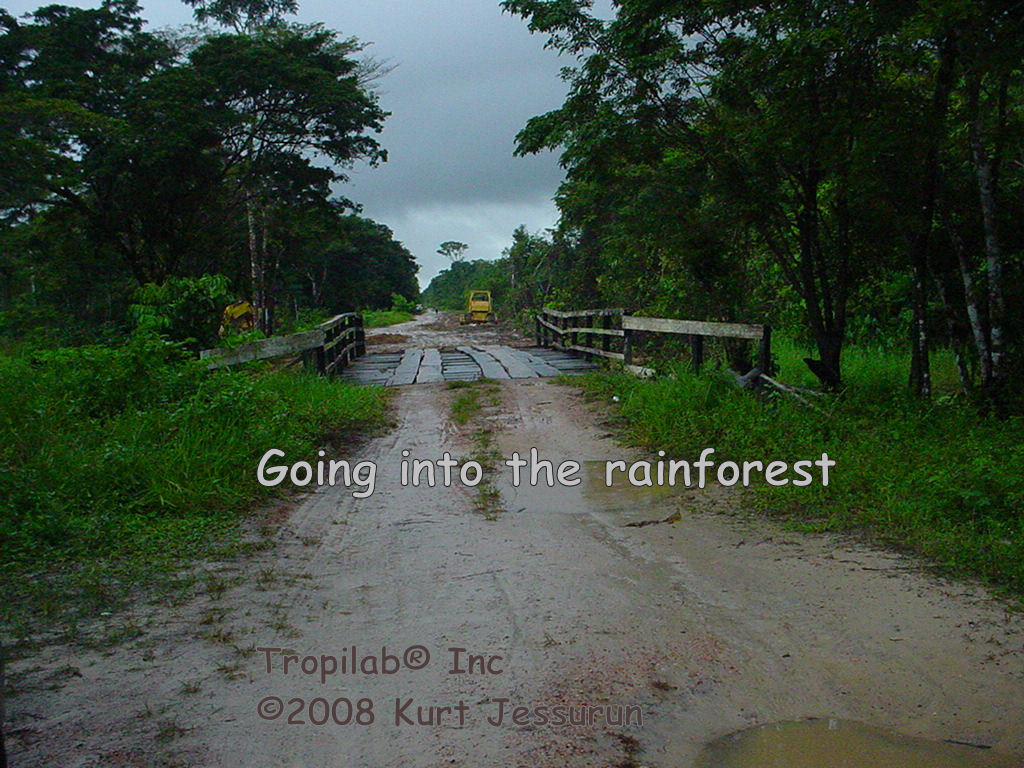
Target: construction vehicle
(479, 308)
(237, 318)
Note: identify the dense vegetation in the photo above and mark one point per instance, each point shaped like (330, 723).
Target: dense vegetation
(147, 180)
(846, 171)
(131, 158)
(959, 506)
(123, 458)
(448, 291)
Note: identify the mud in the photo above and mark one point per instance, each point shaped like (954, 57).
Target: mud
(709, 625)
(441, 330)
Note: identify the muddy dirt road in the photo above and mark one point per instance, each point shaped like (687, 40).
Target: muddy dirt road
(704, 625)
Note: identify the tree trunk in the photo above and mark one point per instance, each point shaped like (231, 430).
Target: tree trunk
(921, 379)
(269, 295)
(818, 300)
(988, 194)
(978, 331)
(256, 264)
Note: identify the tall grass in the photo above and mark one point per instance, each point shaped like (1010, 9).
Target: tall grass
(130, 454)
(934, 478)
(379, 318)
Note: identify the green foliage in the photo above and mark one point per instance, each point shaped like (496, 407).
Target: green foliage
(838, 169)
(453, 250)
(400, 303)
(449, 290)
(243, 15)
(136, 158)
(110, 455)
(958, 506)
(379, 318)
(186, 310)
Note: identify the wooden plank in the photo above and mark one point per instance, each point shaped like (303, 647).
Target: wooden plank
(263, 349)
(342, 336)
(326, 324)
(582, 312)
(406, 371)
(517, 367)
(430, 367)
(550, 326)
(592, 351)
(339, 361)
(489, 367)
(692, 327)
(538, 365)
(597, 331)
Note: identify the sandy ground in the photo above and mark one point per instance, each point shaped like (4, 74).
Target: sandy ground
(715, 622)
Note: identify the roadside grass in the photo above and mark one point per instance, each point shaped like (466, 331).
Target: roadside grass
(378, 318)
(467, 406)
(117, 465)
(936, 479)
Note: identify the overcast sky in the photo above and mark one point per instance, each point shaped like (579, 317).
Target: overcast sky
(466, 79)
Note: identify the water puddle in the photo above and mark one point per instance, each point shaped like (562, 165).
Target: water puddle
(827, 743)
(621, 494)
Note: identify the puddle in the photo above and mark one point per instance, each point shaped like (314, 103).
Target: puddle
(621, 494)
(827, 743)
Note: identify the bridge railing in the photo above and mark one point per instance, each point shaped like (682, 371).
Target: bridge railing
(331, 345)
(611, 333)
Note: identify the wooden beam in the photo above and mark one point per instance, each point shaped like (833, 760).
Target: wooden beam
(582, 312)
(430, 368)
(517, 367)
(597, 331)
(263, 349)
(693, 327)
(592, 351)
(550, 326)
(407, 369)
(342, 336)
(489, 367)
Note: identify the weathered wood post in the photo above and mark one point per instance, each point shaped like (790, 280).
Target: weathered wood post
(360, 335)
(765, 355)
(538, 334)
(627, 346)
(606, 339)
(697, 350)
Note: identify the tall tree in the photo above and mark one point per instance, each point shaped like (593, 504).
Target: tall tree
(288, 95)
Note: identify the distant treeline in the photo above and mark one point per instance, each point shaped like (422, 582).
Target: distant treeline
(130, 157)
(848, 171)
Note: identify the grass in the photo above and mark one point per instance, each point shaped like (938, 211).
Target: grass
(378, 318)
(933, 478)
(467, 406)
(118, 463)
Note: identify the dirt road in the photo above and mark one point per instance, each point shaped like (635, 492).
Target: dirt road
(701, 626)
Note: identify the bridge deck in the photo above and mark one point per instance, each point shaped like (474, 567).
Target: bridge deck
(465, 363)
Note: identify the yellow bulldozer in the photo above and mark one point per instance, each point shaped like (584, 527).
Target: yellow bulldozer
(478, 308)
(237, 318)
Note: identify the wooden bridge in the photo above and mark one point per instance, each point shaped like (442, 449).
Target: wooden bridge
(464, 363)
(567, 343)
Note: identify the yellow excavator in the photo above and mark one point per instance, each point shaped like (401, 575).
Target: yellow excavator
(478, 308)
